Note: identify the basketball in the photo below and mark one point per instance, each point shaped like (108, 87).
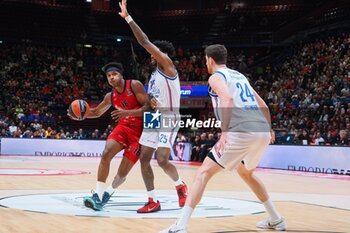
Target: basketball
(79, 109)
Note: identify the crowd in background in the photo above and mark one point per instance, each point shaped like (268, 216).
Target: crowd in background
(308, 92)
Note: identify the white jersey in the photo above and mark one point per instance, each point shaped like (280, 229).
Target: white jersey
(246, 114)
(166, 90)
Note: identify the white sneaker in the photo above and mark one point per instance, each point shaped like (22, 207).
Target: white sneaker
(175, 229)
(278, 225)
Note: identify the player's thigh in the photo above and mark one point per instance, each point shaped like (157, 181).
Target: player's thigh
(256, 150)
(209, 168)
(146, 154)
(119, 134)
(112, 147)
(149, 139)
(230, 157)
(132, 151)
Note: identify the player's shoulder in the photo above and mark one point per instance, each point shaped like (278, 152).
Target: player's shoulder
(108, 97)
(108, 94)
(135, 83)
(214, 76)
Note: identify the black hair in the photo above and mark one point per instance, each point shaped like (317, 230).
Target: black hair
(217, 52)
(166, 47)
(116, 65)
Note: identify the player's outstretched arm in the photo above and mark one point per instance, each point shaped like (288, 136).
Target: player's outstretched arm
(162, 58)
(102, 107)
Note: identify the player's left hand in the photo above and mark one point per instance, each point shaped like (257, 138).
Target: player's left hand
(124, 11)
(70, 116)
(154, 103)
(119, 113)
(222, 141)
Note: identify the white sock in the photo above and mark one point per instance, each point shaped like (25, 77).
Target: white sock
(271, 210)
(185, 216)
(110, 190)
(152, 194)
(100, 188)
(178, 182)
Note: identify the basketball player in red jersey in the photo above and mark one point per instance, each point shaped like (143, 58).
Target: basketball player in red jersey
(129, 97)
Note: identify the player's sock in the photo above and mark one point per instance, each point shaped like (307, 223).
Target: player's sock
(185, 216)
(271, 210)
(100, 188)
(152, 194)
(178, 182)
(110, 190)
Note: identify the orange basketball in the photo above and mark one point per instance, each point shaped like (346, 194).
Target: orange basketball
(79, 109)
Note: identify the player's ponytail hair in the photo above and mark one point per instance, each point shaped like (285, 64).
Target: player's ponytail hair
(217, 52)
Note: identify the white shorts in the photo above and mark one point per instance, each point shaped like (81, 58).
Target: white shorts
(247, 147)
(155, 139)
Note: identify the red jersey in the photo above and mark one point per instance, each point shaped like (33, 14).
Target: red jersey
(127, 101)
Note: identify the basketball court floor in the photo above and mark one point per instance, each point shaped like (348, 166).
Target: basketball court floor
(44, 194)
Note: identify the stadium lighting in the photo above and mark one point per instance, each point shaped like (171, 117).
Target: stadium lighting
(87, 45)
(1, 41)
(119, 39)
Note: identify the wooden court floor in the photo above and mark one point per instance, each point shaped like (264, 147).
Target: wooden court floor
(308, 204)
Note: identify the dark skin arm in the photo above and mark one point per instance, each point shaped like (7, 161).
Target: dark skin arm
(165, 63)
(99, 109)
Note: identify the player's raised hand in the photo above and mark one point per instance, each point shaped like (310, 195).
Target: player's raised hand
(124, 11)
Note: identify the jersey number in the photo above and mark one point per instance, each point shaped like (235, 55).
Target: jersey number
(246, 92)
(163, 138)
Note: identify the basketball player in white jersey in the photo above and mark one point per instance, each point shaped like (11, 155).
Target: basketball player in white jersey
(164, 88)
(246, 133)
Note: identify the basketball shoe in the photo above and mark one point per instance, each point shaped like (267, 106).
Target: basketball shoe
(175, 229)
(95, 202)
(149, 207)
(105, 198)
(278, 225)
(182, 194)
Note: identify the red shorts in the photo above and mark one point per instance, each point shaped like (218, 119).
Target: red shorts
(129, 137)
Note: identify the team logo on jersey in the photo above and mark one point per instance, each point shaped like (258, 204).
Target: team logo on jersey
(152, 120)
(129, 93)
(124, 103)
